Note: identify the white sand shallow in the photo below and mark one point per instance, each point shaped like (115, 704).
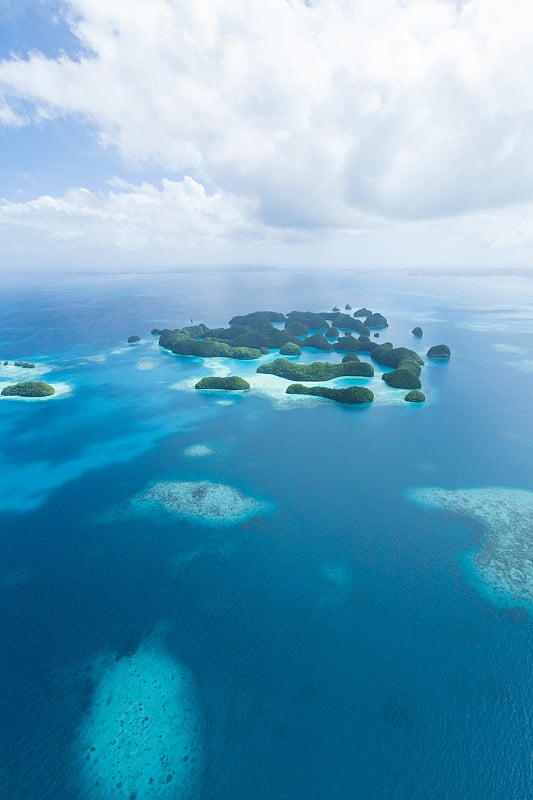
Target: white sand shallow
(274, 388)
(505, 559)
(141, 736)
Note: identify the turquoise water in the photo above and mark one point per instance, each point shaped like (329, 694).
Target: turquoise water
(332, 643)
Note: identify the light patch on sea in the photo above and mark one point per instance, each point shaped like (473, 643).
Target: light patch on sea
(503, 563)
(524, 366)
(146, 363)
(28, 485)
(98, 358)
(509, 348)
(197, 451)
(13, 374)
(197, 501)
(142, 734)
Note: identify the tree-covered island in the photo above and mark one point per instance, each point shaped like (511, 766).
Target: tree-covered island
(354, 395)
(29, 389)
(317, 371)
(252, 336)
(231, 383)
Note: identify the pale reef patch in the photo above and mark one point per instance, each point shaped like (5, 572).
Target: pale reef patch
(146, 363)
(509, 348)
(142, 735)
(98, 358)
(504, 562)
(198, 451)
(199, 501)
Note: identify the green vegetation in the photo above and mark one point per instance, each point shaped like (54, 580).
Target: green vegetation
(317, 340)
(402, 378)
(29, 389)
(346, 321)
(376, 321)
(23, 364)
(317, 371)
(418, 332)
(156, 332)
(233, 383)
(439, 351)
(354, 395)
(349, 343)
(182, 344)
(295, 328)
(258, 319)
(315, 322)
(249, 336)
(406, 364)
(133, 339)
(390, 356)
(290, 349)
(415, 397)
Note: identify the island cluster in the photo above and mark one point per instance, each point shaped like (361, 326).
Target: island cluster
(250, 336)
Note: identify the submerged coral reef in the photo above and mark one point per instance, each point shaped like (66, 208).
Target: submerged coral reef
(201, 501)
(504, 562)
(141, 737)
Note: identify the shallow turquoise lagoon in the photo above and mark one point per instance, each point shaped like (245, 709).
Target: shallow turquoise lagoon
(216, 597)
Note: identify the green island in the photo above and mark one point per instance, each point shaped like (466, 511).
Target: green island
(376, 321)
(317, 371)
(290, 349)
(259, 333)
(354, 395)
(29, 389)
(231, 383)
(24, 364)
(133, 339)
(406, 365)
(439, 351)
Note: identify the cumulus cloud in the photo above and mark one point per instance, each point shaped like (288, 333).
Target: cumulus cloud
(132, 217)
(325, 114)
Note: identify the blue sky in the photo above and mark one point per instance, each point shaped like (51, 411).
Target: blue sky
(334, 132)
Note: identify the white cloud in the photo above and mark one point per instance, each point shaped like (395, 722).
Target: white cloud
(332, 114)
(132, 218)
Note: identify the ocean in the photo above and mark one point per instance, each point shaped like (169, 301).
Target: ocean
(351, 617)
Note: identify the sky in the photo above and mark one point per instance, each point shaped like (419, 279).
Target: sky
(158, 134)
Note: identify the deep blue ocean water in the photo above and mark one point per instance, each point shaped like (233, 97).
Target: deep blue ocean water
(338, 647)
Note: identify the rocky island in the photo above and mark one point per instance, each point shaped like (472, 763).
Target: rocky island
(29, 389)
(231, 383)
(250, 337)
(317, 371)
(439, 351)
(354, 395)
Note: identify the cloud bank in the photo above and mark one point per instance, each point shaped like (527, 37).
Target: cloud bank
(290, 118)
